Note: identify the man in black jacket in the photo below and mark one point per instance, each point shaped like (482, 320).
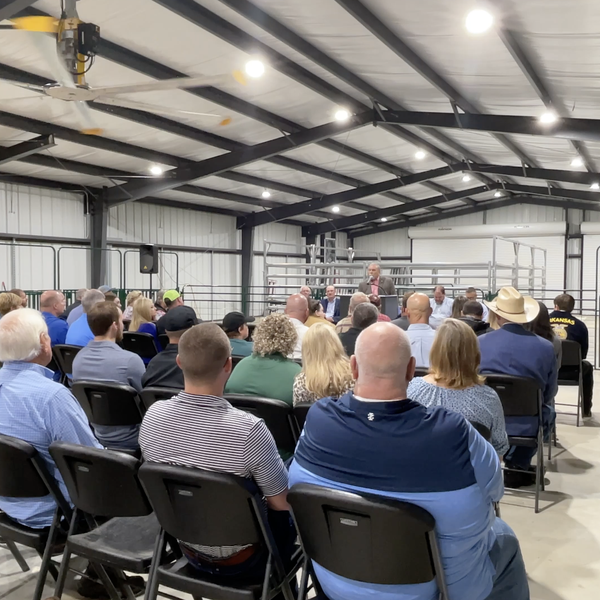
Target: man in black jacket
(364, 315)
(473, 316)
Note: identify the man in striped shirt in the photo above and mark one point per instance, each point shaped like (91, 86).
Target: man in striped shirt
(199, 428)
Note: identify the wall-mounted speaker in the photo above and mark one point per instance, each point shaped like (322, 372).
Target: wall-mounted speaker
(148, 258)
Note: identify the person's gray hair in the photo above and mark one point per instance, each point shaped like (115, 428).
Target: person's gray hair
(355, 300)
(20, 332)
(90, 298)
(159, 295)
(364, 314)
(80, 293)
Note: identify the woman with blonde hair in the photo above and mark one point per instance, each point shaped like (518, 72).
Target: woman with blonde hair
(142, 321)
(454, 381)
(131, 298)
(325, 366)
(9, 302)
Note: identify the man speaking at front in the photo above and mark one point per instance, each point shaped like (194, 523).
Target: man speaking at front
(377, 284)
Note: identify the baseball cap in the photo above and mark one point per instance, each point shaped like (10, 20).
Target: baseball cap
(234, 320)
(171, 295)
(180, 318)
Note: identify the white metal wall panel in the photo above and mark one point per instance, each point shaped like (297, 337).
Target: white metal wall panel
(388, 243)
(591, 242)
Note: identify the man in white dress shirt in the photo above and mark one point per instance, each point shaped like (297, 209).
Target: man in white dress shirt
(419, 331)
(471, 294)
(441, 307)
(296, 308)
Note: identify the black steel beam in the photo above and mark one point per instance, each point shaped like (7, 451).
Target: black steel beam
(553, 192)
(27, 148)
(247, 260)
(364, 16)
(514, 44)
(10, 8)
(552, 174)
(568, 129)
(558, 203)
(98, 209)
(393, 211)
(213, 166)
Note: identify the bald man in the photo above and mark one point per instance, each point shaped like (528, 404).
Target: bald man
(375, 440)
(296, 308)
(420, 333)
(52, 305)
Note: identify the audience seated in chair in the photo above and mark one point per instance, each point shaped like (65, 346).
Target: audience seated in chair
(75, 307)
(402, 321)
(142, 321)
(171, 299)
(316, 314)
(364, 315)
(377, 441)
(441, 306)
(199, 428)
(235, 326)
(325, 366)
(34, 408)
(9, 302)
(131, 298)
(471, 295)
(541, 326)
(512, 350)
(376, 302)
(306, 292)
(22, 295)
(163, 370)
(568, 327)
(346, 323)
(457, 307)
(79, 333)
(454, 382)
(159, 304)
(296, 309)
(331, 305)
(103, 360)
(268, 372)
(52, 305)
(420, 333)
(472, 315)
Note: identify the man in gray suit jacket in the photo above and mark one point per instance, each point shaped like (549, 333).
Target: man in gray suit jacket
(378, 284)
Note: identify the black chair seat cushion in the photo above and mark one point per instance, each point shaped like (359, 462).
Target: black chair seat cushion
(571, 382)
(123, 542)
(528, 442)
(27, 536)
(182, 576)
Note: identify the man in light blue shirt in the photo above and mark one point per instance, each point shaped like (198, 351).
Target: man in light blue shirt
(79, 333)
(419, 331)
(331, 305)
(441, 307)
(34, 408)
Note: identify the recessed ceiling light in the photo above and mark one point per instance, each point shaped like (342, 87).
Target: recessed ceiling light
(335, 209)
(420, 154)
(342, 114)
(383, 220)
(255, 68)
(266, 194)
(595, 186)
(498, 194)
(479, 21)
(577, 162)
(466, 178)
(548, 117)
(156, 170)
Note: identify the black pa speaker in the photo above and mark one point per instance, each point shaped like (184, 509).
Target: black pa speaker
(148, 258)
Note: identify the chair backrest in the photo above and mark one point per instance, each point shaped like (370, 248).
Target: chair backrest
(571, 354)
(235, 360)
(151, 395)
(65, 354)
(484, 431)
(203, 507)
(163, 338)
(108, 403)
(300, 412)
(100, 482)
(141, 344)
(365, 537)
(421, 371)
(520, 396)
(276, 414)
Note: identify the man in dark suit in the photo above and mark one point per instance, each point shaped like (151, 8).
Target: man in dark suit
(331, 305)
(377, 284)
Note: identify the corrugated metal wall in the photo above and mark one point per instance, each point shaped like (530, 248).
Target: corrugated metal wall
(388, 243)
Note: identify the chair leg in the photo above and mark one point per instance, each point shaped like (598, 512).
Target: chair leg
(152, 583)
(17, 555)
(46, 557)
(64, 564)
(106, 581)
(302, 590)
(267, 578)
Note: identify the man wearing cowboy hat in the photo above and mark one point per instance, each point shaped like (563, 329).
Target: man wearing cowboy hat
(512, 350)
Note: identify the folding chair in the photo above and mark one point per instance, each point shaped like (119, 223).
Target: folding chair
(150, 395)
(104, 483)
(163, 338)
(300, 413)
(23, 474)
(64, 355)
(522, 397)
(235, 360)
(484, 431)
(421, 372)
(212, 509)
(141, 344)
(571, 374)
(339, 529)
(276, 414)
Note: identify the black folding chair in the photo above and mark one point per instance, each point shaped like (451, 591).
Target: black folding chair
(23, 474)
(211, 509)
(421, 372)
(151, 395)
(484, 431)
(64, 355)
(105, 484)
(141, 344)
(163, 338)
(235, 360)
(571, 374)
(300, 413)
(522, 397)
(277, 415)
(339, 529)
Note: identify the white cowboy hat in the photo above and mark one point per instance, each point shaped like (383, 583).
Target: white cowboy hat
(511, 305)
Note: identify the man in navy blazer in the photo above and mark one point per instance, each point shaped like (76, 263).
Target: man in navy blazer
(331, 305)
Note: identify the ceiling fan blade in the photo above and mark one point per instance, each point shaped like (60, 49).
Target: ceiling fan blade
(46, 45)
(40, 89)
(21, 98)
(84, 115)
(165, 84)
(161, 110)
(37, 24)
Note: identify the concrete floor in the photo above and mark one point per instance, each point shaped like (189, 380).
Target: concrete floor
(561, 544)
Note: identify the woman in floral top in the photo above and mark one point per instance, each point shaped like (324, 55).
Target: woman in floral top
(325, 366)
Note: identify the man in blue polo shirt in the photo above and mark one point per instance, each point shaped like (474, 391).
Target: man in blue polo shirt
(79, 333)
(52, 305)
(377, 441)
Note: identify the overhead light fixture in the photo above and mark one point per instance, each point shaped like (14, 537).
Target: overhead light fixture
(577, 162)
(479, 21)
(595, 186)
(498, 194)
(335, 209)
(420, 154)
(156, 170)
(548, 117)
(466, 178)
(266, 194)
(342, 115)
(383, 220)
(255, 69)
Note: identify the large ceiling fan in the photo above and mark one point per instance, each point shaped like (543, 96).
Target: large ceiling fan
(69, 46)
